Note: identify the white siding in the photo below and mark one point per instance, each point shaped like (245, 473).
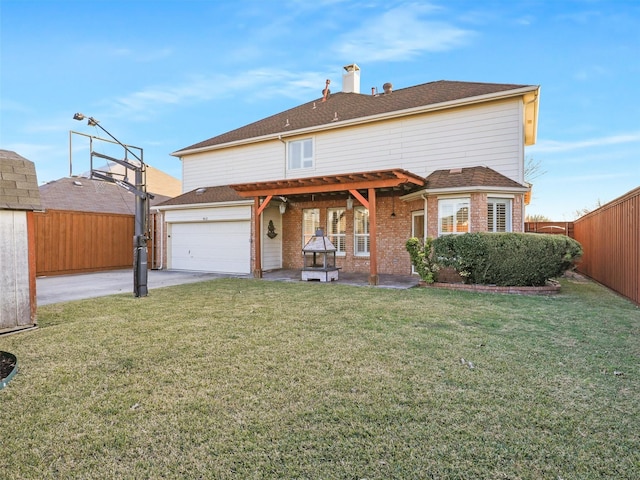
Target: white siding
(487, 135)
(264, 161)
(271, 247)
(210, 214)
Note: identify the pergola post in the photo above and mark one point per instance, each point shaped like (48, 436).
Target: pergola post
(257, 233)
(373, 239)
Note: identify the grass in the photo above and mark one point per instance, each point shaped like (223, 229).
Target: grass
(254, 379)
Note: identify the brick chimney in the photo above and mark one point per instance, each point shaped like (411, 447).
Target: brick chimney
(351, 79)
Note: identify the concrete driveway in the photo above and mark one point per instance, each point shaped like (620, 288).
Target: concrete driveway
(64, 288)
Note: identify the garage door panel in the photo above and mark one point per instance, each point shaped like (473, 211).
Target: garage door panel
(211, 246)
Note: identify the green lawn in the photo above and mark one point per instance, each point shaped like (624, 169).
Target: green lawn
(255, 379)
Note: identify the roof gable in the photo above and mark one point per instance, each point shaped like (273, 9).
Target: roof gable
(341, 107)
(18, 182)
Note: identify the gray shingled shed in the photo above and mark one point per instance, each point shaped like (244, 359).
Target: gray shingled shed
(19, 197)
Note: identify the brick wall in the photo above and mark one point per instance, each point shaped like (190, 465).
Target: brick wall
(392, 234)
(478, 213)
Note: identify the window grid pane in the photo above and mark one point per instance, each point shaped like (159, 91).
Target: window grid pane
(337, 228)
(499, 215)
(361, 231)
(310, 223)
(453, 216)
(300, 154)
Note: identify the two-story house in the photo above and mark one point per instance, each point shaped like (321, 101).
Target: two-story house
(370, 169)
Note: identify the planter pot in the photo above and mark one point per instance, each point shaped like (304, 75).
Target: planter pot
(8, 367)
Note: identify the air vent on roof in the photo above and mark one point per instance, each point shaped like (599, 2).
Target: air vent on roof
(77, 183)
(455, 170)
(200, 191)
(387, 87)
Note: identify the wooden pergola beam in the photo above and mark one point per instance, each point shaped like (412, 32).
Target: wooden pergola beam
(351, 182)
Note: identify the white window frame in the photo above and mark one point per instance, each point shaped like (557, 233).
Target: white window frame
(307, 158)
(339, 238)
(357, 234)
(310, 223)
(492, 203)
(456, 205)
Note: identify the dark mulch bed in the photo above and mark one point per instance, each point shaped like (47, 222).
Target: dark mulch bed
(7, 363)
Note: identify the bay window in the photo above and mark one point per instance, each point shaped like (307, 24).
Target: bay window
(453, 216)
(499, 215)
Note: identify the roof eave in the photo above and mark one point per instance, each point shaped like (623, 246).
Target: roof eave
(191, 206)
(530, 90)
(531, 106)
(459, 190)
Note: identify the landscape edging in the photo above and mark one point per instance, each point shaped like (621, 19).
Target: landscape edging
(551, 288)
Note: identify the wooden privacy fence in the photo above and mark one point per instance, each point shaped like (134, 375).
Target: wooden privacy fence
(75, 242)
(610, 238)
(557, 228)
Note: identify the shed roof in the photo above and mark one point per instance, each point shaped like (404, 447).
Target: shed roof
(18, 182)
(341, 107)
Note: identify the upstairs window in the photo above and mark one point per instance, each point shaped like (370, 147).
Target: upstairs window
(300, 154)
(453, 216)
(337, 228)
(499, 214)
(361, 231)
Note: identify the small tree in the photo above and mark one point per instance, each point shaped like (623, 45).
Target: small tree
(422, 258)
(537, 218)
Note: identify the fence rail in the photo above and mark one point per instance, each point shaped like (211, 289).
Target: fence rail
(610, 238)
(75, 242)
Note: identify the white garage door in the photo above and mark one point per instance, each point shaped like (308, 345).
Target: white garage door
(211, 246)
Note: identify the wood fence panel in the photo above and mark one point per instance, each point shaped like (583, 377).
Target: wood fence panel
(75, 242)
(610, 238)
(557, 228)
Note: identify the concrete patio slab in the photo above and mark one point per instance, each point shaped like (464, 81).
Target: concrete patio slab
(65, 288)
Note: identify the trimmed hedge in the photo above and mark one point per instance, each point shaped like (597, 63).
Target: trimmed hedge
(507, 259)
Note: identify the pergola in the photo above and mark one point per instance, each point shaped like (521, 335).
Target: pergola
(354, 183)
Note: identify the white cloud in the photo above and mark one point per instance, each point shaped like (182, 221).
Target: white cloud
(399, 34)
(556, 146)
(256, 83)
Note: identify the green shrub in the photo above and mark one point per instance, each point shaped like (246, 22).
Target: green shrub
(422, 258)
(507, 259)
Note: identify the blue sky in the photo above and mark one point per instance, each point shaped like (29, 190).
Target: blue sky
(163, 75)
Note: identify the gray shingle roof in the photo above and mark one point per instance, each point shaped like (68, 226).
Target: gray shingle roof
(469, 177)
(351, 106)
(87, 195)
(222, 193)
(18, 182)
